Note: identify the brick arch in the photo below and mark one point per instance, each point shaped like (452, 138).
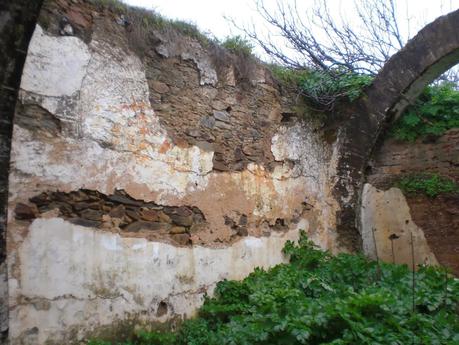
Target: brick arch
(434, 50)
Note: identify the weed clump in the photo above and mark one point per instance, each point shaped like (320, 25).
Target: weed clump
(238, 45)
(323, 89)
(431, 185)
(434, 112)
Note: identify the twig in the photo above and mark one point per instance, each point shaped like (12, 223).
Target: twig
(378, 268)
(413, 274)
(9, 88)
(445, 297)
(392, 238)
(413, 278)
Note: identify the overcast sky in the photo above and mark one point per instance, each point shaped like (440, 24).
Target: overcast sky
(209, 15)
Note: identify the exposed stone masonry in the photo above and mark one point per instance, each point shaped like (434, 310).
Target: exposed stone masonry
(439, 220)
(235, 122)
(209, 98)
(118, 211)
(141, 177)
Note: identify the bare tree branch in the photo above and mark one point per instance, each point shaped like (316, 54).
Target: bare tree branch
(318, 39)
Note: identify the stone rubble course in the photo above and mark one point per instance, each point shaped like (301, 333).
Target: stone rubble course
(118, 212)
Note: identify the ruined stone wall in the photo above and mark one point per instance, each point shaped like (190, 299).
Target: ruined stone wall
(434, 222)
(139, 180)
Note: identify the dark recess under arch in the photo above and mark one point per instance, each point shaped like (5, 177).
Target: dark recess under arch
(17, 22)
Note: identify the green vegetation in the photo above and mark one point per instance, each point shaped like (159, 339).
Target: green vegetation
(323, 88)
(349, 85)
(428, 184)
(435, 111)
(238, 45)
(143, 21)
(112, 5)
(322, 299)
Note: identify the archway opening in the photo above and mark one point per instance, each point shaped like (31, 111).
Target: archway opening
(433, 51)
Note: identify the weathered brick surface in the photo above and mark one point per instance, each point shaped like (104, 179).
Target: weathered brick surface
(439, 220)
(437, 217)
(394, 158)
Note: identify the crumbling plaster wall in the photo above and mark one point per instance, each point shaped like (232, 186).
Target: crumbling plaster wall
(388, 228)
(163, 138)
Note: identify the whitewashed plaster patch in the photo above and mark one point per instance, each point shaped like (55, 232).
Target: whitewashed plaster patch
(55, 66)
(385, 218)
(83, 273)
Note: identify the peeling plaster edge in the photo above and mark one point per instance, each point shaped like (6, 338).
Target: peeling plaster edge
(213, 246)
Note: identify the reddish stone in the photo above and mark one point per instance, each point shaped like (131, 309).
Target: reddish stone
(149, 214)
(133, 215)
(177, 230)
(182, 239)
(220, 166)
(182, 220)
(142, 225)
(24, 211)
(164, 217)
(183, 211)
(77, 18)
(159, 87)
(118, 212)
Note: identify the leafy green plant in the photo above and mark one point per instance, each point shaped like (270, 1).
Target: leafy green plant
(428, 184)
(238, 45)
(323, 88)
(99, 342)
(435, 111)
(324, 85)
(318, 298)
(141, 337)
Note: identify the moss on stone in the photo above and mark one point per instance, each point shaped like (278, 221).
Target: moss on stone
(431, 185)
